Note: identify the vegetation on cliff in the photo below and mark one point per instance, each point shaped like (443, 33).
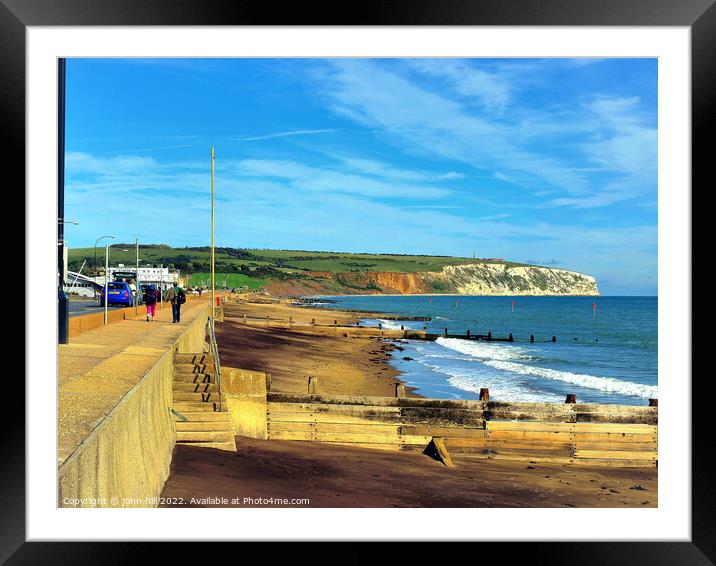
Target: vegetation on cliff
(301, 272)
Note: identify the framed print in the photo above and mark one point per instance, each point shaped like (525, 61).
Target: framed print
(418, 275)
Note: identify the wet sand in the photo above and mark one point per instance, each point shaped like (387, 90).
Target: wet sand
(336, 476)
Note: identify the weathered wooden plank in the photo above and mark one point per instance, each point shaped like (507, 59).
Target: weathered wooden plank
(503, 445)
(443, 452)
(438, 416)
(274, 397)
(429, 430)
(529, 425)
(376, 438)
(613, 437)
(616, 418)
(616, 454)
(555, 416)
(366, 428)
(529, 435)
(634, 446)
(334, 409)
(614, 409)
(621, 428)
(528, 407)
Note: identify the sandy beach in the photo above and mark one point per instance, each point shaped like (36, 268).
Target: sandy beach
(334, 476)
(343, 365)
(341, 476)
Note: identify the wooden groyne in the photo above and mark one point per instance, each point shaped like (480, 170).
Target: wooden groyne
(569, 433)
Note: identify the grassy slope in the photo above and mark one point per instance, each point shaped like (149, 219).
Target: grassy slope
(194, 260)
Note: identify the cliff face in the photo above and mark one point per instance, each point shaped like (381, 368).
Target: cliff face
(472, 279)
(501, 279)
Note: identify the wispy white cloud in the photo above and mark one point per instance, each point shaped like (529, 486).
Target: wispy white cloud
(283, 135)
(426, 121)
(340, 180)
(491, 89)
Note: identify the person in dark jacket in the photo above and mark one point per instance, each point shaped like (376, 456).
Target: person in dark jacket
(177, 298)
(150, 300)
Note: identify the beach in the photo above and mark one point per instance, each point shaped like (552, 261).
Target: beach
(342, 365)
(335, 476)
(343, 476)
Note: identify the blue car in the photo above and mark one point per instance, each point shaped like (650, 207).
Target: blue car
(119, 294)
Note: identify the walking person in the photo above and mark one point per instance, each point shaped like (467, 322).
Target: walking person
(150, 300)
(177, 298)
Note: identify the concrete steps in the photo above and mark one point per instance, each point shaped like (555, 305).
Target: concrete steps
(196, 399)
(203, 358)
(195, 387)
(187, 377)
(204, 416)
(194, 368)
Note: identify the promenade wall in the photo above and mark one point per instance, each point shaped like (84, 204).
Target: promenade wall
(125, 460)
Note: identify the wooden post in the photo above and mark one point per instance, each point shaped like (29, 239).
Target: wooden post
(571, 398)
(442, 452)
(399, 390)
(653, 402)
(312, 385)
(484, 393)
(290, 321)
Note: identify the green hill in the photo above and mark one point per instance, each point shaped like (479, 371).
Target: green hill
(264, 263)
(304, 272)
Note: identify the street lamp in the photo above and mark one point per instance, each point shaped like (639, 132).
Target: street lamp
(106, 278)
(95, 250)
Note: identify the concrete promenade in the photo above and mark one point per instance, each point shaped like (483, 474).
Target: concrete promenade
(98, 367)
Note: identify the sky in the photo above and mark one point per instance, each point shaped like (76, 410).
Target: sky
(546, 161)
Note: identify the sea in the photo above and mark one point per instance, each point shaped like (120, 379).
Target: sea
(605, 349)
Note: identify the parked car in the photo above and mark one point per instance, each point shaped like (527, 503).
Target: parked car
(119, 294)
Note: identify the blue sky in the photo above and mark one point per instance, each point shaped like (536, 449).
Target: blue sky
(550, 161)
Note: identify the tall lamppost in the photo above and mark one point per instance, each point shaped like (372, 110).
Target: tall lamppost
(106, 279)
(136, 277)
(95, 250)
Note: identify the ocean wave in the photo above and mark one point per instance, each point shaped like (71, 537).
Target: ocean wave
(484, 350)
(393, 324)
(607, 384)
(502, 387)
(505, 357)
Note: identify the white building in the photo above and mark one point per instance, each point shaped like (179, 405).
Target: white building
(154, 275)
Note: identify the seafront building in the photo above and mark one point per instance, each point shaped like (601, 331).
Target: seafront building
(87, 286)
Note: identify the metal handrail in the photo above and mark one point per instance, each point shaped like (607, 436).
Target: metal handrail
(215, 354)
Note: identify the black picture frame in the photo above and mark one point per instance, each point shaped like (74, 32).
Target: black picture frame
(699, 15)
